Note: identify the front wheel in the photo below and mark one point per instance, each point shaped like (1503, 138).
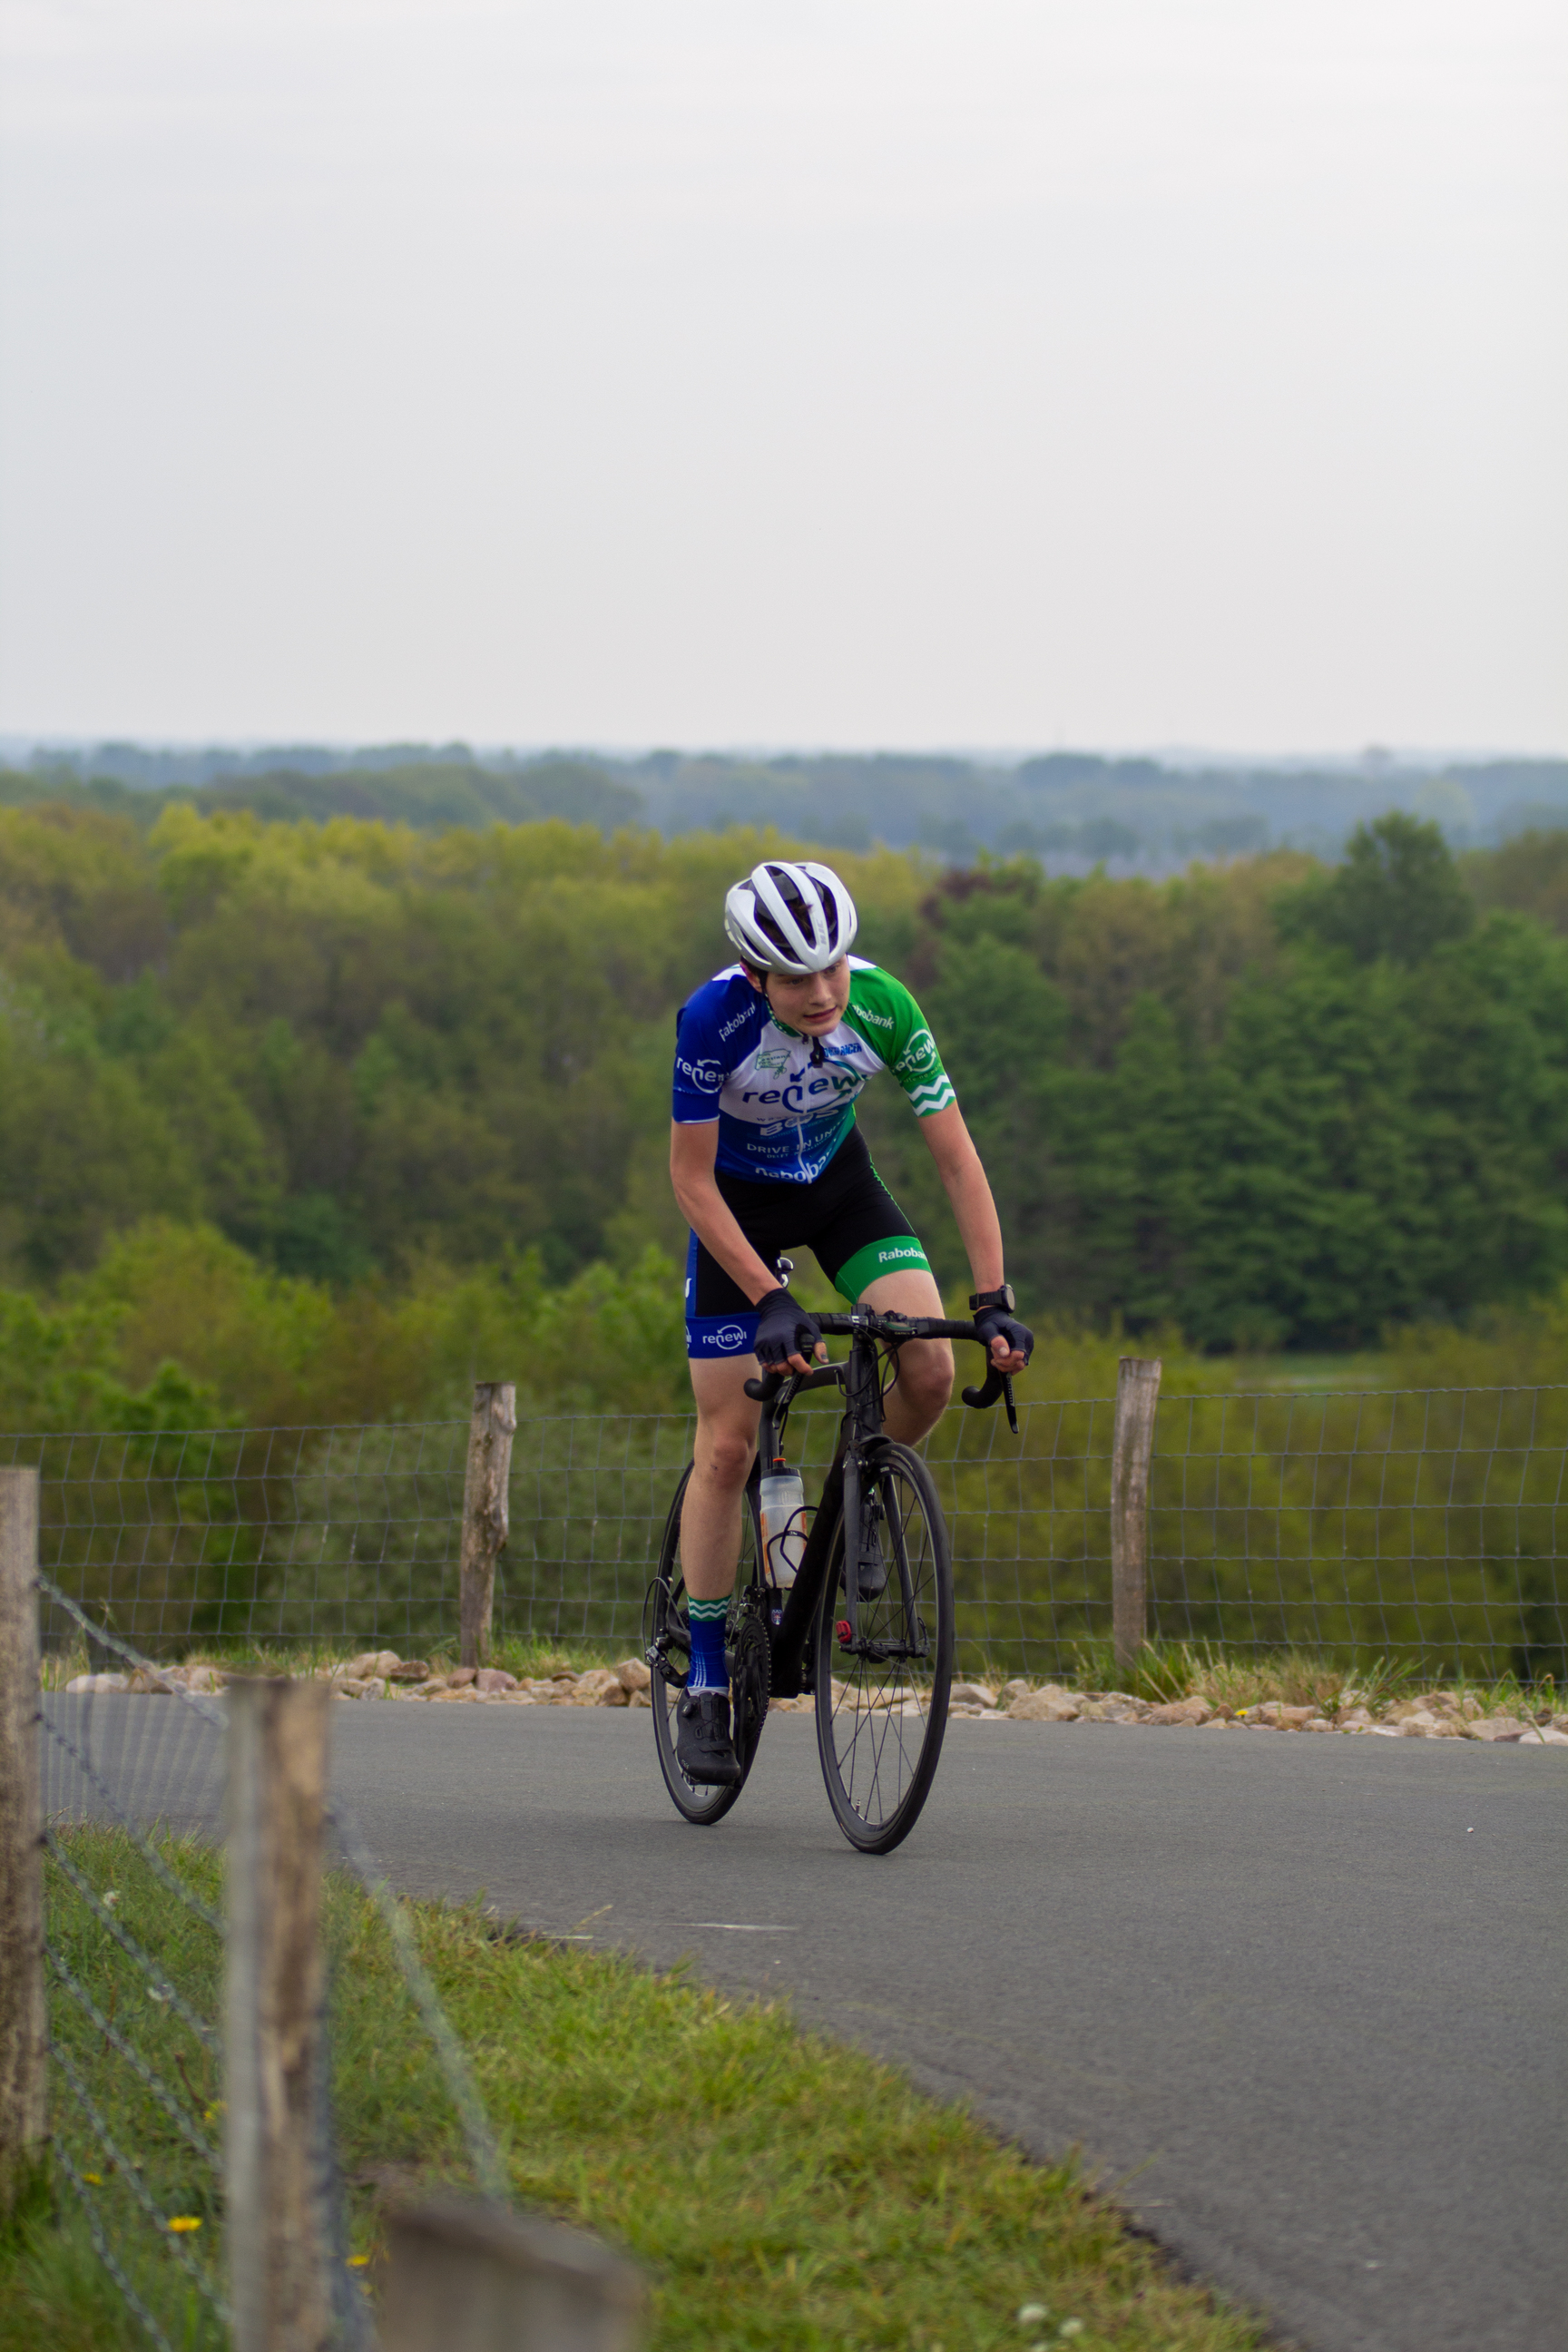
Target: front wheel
(665, 1630)
(881, 1712)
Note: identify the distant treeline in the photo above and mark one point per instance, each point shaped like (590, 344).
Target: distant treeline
(1071, 810)
(1272, 1103)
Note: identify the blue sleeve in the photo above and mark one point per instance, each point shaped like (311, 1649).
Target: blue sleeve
(699, 1072)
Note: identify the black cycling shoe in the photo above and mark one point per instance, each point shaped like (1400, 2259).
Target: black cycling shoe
(703, 1748)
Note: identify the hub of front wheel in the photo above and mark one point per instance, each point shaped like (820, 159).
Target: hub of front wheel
(879, 1652)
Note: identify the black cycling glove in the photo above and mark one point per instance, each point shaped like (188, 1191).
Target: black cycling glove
(785, 1329)
(995, 1323)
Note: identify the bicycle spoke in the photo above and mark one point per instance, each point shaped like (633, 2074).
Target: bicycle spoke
(882, 1725)
(866, 1727)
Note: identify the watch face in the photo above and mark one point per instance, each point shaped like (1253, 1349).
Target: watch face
(1001, 1296)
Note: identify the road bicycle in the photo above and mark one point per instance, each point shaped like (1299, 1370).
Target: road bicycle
(867, 1624)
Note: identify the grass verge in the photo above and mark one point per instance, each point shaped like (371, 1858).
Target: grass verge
(780, 2190)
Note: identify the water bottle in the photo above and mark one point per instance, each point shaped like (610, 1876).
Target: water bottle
(782, 1499)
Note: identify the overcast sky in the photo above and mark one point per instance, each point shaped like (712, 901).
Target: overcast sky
(981, 373)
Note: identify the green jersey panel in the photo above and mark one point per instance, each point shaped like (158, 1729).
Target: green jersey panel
(885, 1015)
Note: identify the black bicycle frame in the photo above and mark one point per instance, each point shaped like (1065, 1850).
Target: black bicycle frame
(861, 1428)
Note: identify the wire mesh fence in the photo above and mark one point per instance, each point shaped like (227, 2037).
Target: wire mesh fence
(1422, 1522)
(1428, 1521)
(135, 1924)
(134, 1950)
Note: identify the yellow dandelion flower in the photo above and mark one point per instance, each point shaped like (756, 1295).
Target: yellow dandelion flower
(93, 2179)
(183, 2222)
(358, 2262)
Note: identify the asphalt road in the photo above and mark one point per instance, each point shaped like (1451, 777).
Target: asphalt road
(1305, 1999)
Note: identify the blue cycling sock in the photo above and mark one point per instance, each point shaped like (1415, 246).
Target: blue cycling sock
(707, 1618)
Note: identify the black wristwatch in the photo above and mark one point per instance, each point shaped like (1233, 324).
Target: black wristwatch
(1001, 1297)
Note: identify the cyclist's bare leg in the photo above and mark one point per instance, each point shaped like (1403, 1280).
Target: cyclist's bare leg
(920, 1395)
(721, 1462)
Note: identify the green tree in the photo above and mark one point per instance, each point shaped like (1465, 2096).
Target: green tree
(1398, 893)
(382, 1064)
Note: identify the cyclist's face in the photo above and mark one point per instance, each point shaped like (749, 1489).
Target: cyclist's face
(814, 1002)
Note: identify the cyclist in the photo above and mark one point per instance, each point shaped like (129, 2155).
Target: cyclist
(770, 1056)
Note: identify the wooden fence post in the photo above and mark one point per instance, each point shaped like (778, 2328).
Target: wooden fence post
(24, 2035)
(1132, 1446)
(485, 1524)
(474, 2278)
(278, 2237)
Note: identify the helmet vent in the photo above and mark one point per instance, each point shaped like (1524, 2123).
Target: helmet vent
(790, 917)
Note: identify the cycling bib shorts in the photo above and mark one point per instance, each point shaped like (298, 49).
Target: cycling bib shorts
(847, 1218)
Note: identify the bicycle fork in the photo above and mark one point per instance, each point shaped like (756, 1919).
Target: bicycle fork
(862, 1550)
(861, 1411)
(853, 1531)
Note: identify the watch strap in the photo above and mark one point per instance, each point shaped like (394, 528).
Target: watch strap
(1001, 1296)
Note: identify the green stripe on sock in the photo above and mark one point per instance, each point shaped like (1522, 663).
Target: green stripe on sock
(708, 1612)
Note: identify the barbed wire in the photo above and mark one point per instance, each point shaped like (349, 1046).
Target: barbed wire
(87, 1777)
(127, 2050)
(455, 2067)
(101, 1634)
(163, 1991)
(105, 2251)
(149, 1852)
(120, 1807)
(483, 2152)
(126, 2171)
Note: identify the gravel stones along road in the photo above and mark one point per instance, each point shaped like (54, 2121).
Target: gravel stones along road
(383, 1674)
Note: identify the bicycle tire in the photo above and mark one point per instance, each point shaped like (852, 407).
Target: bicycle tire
(665, 1620)
(879, 1733)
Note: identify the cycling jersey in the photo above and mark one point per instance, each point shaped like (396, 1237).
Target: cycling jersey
(785, 1103)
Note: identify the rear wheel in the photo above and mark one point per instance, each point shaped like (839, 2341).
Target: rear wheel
(881, 1714)
(746, 1644)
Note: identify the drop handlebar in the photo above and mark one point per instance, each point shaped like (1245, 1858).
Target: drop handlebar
(893, 1330)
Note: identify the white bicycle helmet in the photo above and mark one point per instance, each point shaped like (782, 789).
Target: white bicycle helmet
(794, 919)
